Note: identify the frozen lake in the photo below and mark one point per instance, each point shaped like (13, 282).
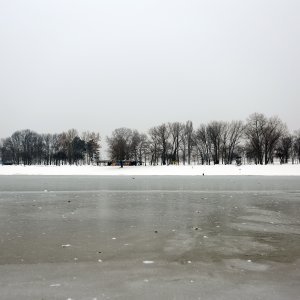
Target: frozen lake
(149, 237)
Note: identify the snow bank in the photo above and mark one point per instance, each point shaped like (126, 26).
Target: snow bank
(268, 170)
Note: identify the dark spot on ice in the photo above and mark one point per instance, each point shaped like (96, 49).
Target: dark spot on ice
(196, 228)
(156, 231)
(69, 201)
(99, 252)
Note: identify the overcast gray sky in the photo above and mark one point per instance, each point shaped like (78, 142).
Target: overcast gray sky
(98, 65)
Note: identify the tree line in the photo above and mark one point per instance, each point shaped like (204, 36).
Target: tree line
(30, 148)
(259, 140)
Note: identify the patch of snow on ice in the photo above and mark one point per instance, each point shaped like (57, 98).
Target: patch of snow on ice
(55, 285)
(197, 170)
(147, 262)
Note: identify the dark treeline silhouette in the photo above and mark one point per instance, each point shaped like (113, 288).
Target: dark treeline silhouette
(259, 140)
(28, 147)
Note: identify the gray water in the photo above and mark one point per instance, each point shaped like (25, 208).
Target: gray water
(211, 237)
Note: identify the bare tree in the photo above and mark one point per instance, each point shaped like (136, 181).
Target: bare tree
(160, 138)
(189, 134)
(296, 145)
(224, 149)
(254, 132)
(284, 148)
(187, 141)
(203, 144)
(92, 141)
(232, 136)
(143, 148)
(7, 152)
(262, 137)
(215, 131)
(154, 147)
(47, 141)
(15, 145)
(134, 144)
(175, 131)
(70, 136)
(272, 133)
(119, 144)
(28, 146)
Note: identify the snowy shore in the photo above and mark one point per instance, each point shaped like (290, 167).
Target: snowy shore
(263, 170)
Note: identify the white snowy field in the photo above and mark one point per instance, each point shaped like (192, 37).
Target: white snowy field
(264, 170)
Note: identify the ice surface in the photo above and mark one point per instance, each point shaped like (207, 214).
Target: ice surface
(252, 249)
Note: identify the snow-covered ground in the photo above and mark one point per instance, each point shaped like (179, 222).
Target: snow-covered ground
(266, 170)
